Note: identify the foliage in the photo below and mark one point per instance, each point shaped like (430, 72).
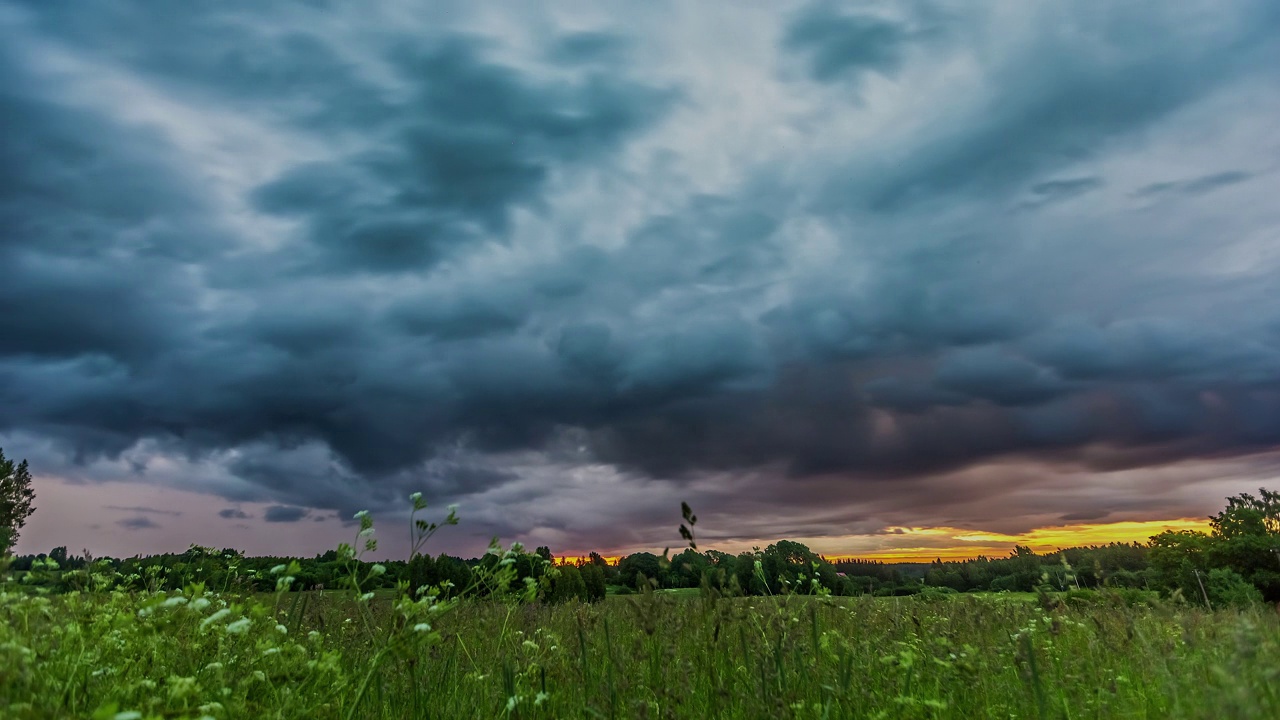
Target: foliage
(1227, 589)
(200, 653)
(114, 640)
(16, 496)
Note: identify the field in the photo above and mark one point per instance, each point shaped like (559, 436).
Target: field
(654, 655)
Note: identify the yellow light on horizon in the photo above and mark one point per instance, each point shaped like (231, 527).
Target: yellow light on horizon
(964, 544)
(972, 543)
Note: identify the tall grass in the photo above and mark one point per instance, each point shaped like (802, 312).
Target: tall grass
(113, 654)
(332, 656)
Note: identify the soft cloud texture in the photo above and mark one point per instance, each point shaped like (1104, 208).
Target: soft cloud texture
(823, 271)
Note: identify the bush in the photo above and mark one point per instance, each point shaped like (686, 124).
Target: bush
(1126, 579)
(1227, 588)
(1081, 597)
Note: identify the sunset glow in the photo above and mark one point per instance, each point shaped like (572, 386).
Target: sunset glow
(925, 544)
(959, 544)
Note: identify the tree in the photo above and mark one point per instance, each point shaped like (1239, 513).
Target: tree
(1248, 515)
(15, 500)
(637, 564)
(567, 584)
(593, 579)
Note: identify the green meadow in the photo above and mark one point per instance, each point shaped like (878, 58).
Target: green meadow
(199, 654)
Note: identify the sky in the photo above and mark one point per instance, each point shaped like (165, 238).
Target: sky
(896, 279)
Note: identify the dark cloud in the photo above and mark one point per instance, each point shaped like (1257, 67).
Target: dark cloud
(284, 514)
(139, 509)
(1084, 516)
(140, 522)
(233, 514)
(327, 264)
(841, 45)
(471, 143)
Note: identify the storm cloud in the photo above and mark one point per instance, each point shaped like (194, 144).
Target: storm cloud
(284, 514)
(858, 267)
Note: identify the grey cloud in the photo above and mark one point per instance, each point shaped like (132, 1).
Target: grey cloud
(840, 45)
(140, 509)
(472, 142)
(590, 48)
(992, 375)
(910, 397)
(233, 514)
(140, 522)
(1053, 105)
(284, 514)
(463, 256)
(1084, 515)
(1055, 191)
(1195, 186)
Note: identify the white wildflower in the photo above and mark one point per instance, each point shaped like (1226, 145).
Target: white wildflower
(214, 618)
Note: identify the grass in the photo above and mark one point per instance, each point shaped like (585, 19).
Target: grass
(657, 655)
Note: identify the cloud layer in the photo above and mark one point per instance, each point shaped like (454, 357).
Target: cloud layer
(550, 264)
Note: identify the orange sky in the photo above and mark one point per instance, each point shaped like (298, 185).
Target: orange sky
(923, 544)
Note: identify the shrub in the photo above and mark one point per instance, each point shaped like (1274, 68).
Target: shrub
(1227, 588)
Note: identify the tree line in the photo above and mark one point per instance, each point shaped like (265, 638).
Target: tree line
(1238, 561)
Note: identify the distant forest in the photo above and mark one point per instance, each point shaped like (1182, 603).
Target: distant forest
(1238, 561)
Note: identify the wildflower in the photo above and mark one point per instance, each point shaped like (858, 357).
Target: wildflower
(367, 532)
(200, 604)
(361, 515)
(239, 626)
(453, 508)
(279, 569)
(540, 698)
(282, 629)
(365, 598)
(422, 627)
(414, 498)
(174, 601)
(377, 569)
(214, 618)
(128, 715)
